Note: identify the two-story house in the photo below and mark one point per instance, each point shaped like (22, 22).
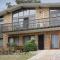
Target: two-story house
(38, 21)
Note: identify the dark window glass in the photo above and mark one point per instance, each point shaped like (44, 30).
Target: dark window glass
(1, 20)
(1, 42)
(32, 12)
(28, 37)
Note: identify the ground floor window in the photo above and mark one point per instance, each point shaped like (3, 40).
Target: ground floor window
(29, 37)
(13, 41)
(1, 42)
(55, 41)
(26, 38)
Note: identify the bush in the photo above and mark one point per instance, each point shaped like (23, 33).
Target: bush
(30, 46)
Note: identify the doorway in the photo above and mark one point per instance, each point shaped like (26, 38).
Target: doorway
(41, 42)
(26, 22)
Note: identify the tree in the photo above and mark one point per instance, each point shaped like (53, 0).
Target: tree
(8, 4)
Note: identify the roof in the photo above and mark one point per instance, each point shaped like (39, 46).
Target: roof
(29, 5)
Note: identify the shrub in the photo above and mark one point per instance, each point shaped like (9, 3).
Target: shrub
(30, 46)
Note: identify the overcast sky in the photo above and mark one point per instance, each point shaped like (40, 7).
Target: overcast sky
(3, 3)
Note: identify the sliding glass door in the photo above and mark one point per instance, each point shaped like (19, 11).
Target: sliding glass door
(55, 41)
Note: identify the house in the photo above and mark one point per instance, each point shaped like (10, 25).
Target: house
(38, 21)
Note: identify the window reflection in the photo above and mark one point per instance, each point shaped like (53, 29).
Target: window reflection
(26, 38)
(15, 20)
(55, 41)
(26, 12)
(13, 41)
(21, 13)
(32, 12)
(54, 12)
(21, 22)
(15, 15)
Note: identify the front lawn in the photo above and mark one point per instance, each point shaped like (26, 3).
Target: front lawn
(22, 56)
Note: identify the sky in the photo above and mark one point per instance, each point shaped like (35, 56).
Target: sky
(3, 3)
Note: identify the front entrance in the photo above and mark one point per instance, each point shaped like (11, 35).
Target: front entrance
(41, 42)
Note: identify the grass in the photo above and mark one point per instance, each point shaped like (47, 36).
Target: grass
(22, 56)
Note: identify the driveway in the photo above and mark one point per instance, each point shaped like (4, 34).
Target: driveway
(47, 55)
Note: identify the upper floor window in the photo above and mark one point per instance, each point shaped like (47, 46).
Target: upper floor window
(22, 14)
(26, 12)
(1, 19)
(54, 12)
(54, 16)
(32, 12)
(15, 15)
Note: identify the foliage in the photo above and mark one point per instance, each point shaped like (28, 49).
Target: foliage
(30, 46)
(8, 5)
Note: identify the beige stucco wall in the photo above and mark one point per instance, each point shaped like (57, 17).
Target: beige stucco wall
(20, 40)
(42, 13)
(5, 40)
(47, 40)
(8, 18)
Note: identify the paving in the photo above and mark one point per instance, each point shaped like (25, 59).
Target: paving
(47, 55)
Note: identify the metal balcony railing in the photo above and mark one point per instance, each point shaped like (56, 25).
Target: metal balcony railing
(32, 24)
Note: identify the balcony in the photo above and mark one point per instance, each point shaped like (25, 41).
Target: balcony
(31, 25)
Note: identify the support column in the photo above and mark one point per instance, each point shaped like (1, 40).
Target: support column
(5, 40)
(20, 40)
(47, 40)
(36, 40)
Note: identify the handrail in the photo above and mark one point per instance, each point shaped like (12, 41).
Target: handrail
(37, 19)
(37, 23)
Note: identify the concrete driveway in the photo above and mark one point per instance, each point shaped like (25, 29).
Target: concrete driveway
(47, 55)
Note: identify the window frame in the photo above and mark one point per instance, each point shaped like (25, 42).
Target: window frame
(55, 9)
(55, 35)
(22, 10)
